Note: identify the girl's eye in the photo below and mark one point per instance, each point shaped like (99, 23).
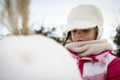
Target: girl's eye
(86, 30)
(74, 31)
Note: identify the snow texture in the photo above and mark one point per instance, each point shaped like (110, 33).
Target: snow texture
(35, 57)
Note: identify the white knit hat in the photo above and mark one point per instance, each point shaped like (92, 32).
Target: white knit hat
(85, 16)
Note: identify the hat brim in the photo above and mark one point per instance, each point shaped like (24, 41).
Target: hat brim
(80, 25)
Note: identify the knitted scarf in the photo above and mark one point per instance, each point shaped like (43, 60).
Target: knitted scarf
(87, 48)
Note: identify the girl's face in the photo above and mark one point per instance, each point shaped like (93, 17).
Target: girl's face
(78, 35)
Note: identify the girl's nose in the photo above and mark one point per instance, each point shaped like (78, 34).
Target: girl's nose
(79, 33)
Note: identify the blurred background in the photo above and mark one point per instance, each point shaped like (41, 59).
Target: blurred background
(48, 17)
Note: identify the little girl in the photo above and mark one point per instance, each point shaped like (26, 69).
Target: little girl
(94, 56)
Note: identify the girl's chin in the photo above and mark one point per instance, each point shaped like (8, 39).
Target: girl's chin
(79, 40)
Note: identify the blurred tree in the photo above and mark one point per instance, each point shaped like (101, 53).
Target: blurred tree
(117, 40)
(12, 12)
(15, 16)
(49, 32)
(23, 11)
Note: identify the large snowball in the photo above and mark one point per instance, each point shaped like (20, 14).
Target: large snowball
(35, 58)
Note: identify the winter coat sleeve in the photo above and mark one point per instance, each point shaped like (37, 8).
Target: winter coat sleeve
(113, 72)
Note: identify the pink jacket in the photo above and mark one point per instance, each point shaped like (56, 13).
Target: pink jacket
(104, 66)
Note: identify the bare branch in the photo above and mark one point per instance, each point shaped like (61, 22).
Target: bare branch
(23, 11)
(12, 19)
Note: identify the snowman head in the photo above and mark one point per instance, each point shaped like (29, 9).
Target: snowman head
(35, 58)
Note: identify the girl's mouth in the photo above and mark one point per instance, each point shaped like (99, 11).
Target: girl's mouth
(79, 40)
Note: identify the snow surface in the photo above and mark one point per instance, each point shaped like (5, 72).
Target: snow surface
(35, 57)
